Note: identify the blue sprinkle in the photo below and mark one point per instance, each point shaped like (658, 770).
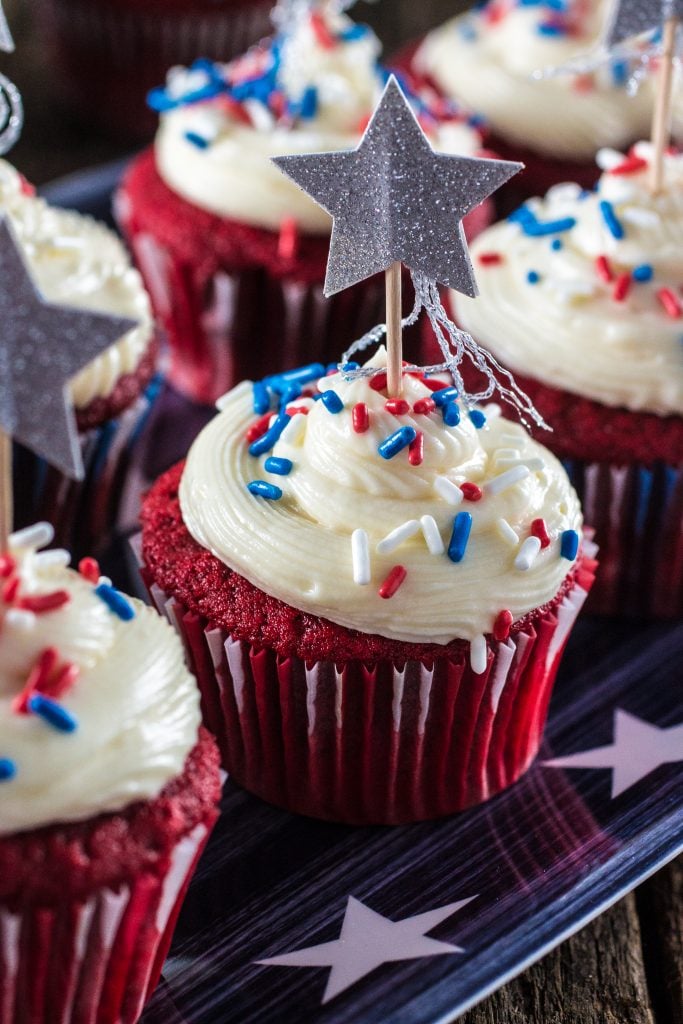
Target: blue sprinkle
(261, 399)
(303, 375)
(550, 28)
(620, 72)
(396, 442)
(52, 713)
(612, 222)
(281, 467)
(354, 32)
(262, 489)
(643, 273)
(462, 526)
(533, 277)
(444, 396)
(115, 601)
(308, 107)
(290, 394)
(569, 545)
(536, 228)
(478, 419)
(271, 437)
(332, 401)
(8, 769)
(349, 367)
(451, 414)
(197, 140)
(557, 244)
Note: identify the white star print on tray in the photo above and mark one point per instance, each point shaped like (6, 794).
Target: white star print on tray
(638, 749)
(367, 941)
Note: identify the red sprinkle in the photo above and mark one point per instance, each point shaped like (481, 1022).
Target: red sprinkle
(583, 83)
(258, 429)
(40, 603)
(288, 240)
(397, 406)
(7, 566)
(393, 582)
(603, 268)
(631, 165)
(62, 682)
(296, 410)
(669, 301)
(622, 286)
(489, 259)
(379, 382)
(322, 32)
(360, 417)
(38, 678)
(90, 569)
(235, 109)
(501, 627)
(540, 530)
(10, 591)
(416, 449)
(472, 492)
(434, 385)
(423, 406)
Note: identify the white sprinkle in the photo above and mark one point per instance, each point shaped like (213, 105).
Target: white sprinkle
(431, 535)
(19, 619)
(534, 465)
(641, 217)
(260, 115)
(294, 430)
(57, 556)
(566, 191)
(74, 242)
(567, 290)
(394, 539)
(644, 149)
(507, 479)
(38, 536)
(447, 490)
(222, 401)
(506, 454)
(478, 654)
(528, 553)
(104, 580)
(513, 441)
(607, 158)
(492, 411)
(507, 533)
(360, 556)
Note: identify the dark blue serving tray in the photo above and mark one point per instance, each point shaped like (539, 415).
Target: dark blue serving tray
(490, 890)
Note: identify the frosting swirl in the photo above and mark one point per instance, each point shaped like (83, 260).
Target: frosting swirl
(311, 90)
(299, 549)
(119, 711)
(77, 261)
(486, 58)
(582, 289)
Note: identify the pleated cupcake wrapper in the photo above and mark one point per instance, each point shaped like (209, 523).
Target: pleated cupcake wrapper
(380, 743)
(88, 514)
(97, 961)
(637, 515)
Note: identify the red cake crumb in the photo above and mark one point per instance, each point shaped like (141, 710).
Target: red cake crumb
(128, 387)
(185, 570)
(37, 866)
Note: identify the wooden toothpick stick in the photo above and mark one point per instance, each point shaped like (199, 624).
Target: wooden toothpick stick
(661, 123)
(394, 331)
(6, 502)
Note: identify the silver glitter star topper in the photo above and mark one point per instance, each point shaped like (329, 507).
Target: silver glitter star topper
(11, 106)
(6, 41)
(630, 18)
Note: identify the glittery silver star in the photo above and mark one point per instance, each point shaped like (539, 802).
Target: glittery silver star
(42, 346)
(393, 198)
(6, 41)
(629, 18)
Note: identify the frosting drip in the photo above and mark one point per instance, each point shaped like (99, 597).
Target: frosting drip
(76, 261)
(133, 705)
(299, 548)
(593, 307)
(486, 58)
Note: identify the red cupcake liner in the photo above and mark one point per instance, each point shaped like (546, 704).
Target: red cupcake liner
(377, 743)
(108, 54)
(95, 961)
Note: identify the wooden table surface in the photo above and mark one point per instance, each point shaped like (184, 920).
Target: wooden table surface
(627, 966)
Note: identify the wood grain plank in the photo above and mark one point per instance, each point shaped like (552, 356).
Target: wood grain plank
(660, 909)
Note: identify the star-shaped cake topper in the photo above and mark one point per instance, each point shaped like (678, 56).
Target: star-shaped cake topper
(6, 41)
(42, 346)
(630, 18)
(367, 941)
(395, 199)
(638, 749)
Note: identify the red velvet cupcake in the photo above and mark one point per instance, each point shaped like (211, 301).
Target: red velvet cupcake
(108, 54)
(374, 597)
(109, 791)
(232, 253)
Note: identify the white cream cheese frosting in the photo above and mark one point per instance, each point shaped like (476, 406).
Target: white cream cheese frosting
(77, 261)
(593, 307)
(129, 714)
(486, 59)
(301, 96)
(341, 495)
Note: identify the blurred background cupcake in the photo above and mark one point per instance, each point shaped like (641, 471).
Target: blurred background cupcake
(233, 255)
(581, 298)
(374, 593)
(108, 790)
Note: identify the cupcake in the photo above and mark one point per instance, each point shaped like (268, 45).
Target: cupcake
(486, 58)
(108, 790)
(580, 296)
(107, 54)
(233, 254)
(76, 261)
(374, 592)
